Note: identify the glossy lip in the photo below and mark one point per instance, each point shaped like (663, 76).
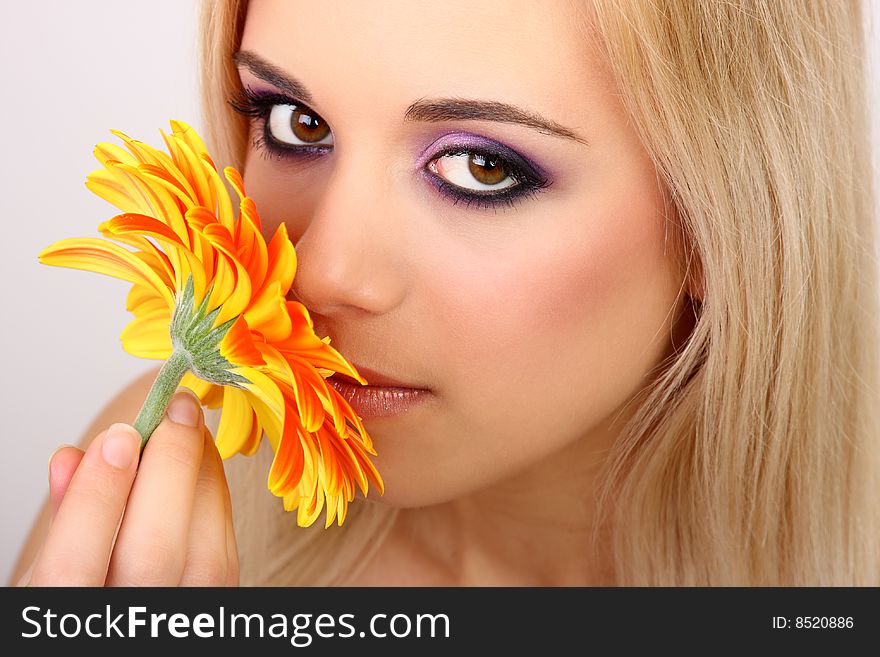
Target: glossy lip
(383, 397)
(375, 379)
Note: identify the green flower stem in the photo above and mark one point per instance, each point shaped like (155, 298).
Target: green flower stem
(163, 389)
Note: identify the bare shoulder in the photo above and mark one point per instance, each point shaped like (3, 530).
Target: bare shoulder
(122, 407)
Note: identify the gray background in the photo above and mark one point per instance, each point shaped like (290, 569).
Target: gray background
(71, 71)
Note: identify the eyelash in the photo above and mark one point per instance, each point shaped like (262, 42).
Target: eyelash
(527, 185)
(256, 107)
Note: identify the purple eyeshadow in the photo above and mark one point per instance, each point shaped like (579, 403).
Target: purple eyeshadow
(468, 141)
(530, 178)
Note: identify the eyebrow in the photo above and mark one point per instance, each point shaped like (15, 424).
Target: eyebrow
(272, 74)
(424, 110)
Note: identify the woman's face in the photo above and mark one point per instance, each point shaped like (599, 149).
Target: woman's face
(532, 312)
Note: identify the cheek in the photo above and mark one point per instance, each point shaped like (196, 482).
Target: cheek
(554, 330)
(280, 197)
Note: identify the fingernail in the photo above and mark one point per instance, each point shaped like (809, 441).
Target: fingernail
(52, 457)
(185, 408)
(58, 449)
(121, 446)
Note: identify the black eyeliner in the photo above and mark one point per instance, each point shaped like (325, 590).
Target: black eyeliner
(528, 181)
(256, 106)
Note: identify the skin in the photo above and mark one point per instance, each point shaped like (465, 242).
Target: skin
(534, 326)
(108, 511)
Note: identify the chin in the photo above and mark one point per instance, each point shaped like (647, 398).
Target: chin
(419, 468)
(409, 495)
(410, 487)
(413, 487)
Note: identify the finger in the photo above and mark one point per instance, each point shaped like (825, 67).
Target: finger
(78, 545)
(151, 546)
(207, 560)
(233, 574)
(62, 465)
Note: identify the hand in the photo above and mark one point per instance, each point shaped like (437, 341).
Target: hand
(165, 521)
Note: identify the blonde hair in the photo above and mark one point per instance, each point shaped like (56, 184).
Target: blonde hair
(753, 459)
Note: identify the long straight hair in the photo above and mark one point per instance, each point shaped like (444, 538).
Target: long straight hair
(753, 458)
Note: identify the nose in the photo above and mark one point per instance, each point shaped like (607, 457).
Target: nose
(347, 257)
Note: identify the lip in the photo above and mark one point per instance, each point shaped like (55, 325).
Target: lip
(383, 397)
(376, 379)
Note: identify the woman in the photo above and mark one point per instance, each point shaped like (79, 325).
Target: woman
(624, 252)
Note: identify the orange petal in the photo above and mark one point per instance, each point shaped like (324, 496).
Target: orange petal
(302, 334)
(267, 314)
(287, 466)
(238, 347)
(281, 261)
(235, 179)
(250, 245)
(131, 222)
(236, 292)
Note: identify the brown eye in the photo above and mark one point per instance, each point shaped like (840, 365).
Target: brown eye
(474, 171)
(489, 171)
(289, 124)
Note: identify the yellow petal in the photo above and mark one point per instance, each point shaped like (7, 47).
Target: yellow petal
(236, 423)
(152, 307)
(156, 201)
(92, 254)
(267, 314)
(189, 264)
(115, 187)
(107, 152)
(192, 167)
(281, 261)
(314, 503)
(266, 399)
(139, 295)
(305, 399)
(235, 294)
(173, 181)
(190, 137)
(224, 203)
(151, 254)
(148, 337)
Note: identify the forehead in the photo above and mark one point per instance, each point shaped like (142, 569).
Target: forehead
(533, 54)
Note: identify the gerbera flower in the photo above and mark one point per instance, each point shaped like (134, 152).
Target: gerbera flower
(209, 297)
